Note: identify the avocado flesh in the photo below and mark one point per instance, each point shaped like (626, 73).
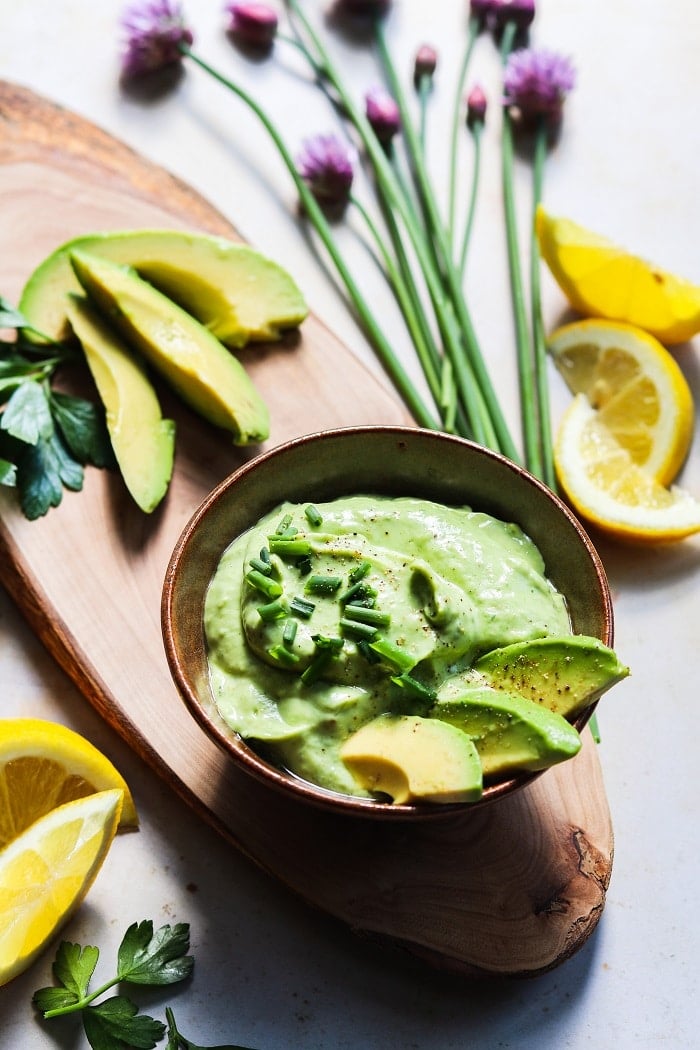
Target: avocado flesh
(412, 759)
(191, 360)
(509, 732)
(563, 674)
(143, 442)
(236, 292)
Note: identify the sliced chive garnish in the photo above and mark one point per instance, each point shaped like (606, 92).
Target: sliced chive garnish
(322, 584)
(414, 688)
(369, 654)
(359, 592)
(317, 666)
(300, 607)
(274, 610)
(393, 654)
(290, 531)
(289, 546)
(358, 630)
(283, 656)
(264, 567)
(289, 633)
(359, 572)
(284, 524)
(265, 555)
(313, 515)
(324, 641)
(270, 588)
(364, 615)
(303, 565)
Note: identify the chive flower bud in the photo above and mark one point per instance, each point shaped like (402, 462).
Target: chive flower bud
(362, 8)
(476, 106)
(326, 165)
(536, 84)
(252, 24)
(383, 114)
(522, 12)
(154, 31)
(483, 9)
(425, 63)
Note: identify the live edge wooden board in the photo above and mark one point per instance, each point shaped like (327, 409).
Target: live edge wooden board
(513, 888)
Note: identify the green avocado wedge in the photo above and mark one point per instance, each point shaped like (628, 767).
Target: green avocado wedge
(239, 294)
(509, 732)
(190, 359)
(142, 440)
(563, 674)
(414, 759)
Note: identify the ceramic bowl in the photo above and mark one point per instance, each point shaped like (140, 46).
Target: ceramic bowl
(386, 461)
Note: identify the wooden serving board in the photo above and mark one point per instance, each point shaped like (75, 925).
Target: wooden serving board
(512, 888)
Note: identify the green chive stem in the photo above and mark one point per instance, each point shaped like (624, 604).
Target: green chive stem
(538, 337)
(473, 193)
(472, 33)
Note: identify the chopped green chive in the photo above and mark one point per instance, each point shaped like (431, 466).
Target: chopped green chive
(360, 571)
(283, 656)
(363, 631)
(358, 593)
(370, 616)
(274, 610)
(323, 641)
(300, 607)
(414, 688)
(289, 633)
(284, 524)
(270, 588)
(303, 565)
(313, 515)
(393, 655)
(322, 584)
(317, 666)
(261, 566)
(289, 547)
(265, 555)
(370, 656)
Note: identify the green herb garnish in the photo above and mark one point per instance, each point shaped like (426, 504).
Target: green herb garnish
(392, 654)
(322, 584)
(369, 616)
(358, 630)
(300, 607)
(277, 609)
(313, 515)
(289, 546)
(289, 633)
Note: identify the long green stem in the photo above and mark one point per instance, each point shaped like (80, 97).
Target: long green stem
(457, 115)
(538, 339)
(476, 171)
(384, 350)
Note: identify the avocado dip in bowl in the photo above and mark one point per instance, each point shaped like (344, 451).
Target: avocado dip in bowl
(353, 617)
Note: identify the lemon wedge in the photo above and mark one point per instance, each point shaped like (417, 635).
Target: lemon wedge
(608, 489)
(601, 279)
(44, 764)
(641, 395)
(46, 871)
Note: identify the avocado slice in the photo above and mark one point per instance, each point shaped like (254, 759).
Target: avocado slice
(202, 371)
(239, 294)
(412, 759)
(564, 674)
(143, 442)
(509, 732)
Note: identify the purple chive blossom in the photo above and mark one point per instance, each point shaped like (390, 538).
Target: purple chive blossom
(483, 9)
(537, 82)
(254, 24)
(383, 114)
(522, 12)
(154, 31)
(362, 8)
(476, 106)
(326, 165)
(425, 63)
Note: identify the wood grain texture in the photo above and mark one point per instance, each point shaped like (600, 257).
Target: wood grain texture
(513, 888)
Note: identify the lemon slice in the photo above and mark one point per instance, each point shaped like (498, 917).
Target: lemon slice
(601, 279)
(641, 394)
(47, 870)
(608, 489)
(44, 764)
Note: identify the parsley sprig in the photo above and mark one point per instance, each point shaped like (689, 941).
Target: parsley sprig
(46, 437)
(143, 958)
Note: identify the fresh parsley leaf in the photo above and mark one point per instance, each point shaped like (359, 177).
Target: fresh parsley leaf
(27, 415)
(177, 1041)
(8, 473)
(83, 429)
(74, 966)
(38, 480)
(155, 959)
(116, 1023)
(48, 999)
(70, 472)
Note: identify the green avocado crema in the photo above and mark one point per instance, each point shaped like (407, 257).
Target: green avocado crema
(435, 587)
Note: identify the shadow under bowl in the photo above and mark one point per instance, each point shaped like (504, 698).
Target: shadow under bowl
(374, 460)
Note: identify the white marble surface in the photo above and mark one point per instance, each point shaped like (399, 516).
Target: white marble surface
(270, 973)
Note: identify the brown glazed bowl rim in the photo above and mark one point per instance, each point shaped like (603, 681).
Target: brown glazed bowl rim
(197, 552)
